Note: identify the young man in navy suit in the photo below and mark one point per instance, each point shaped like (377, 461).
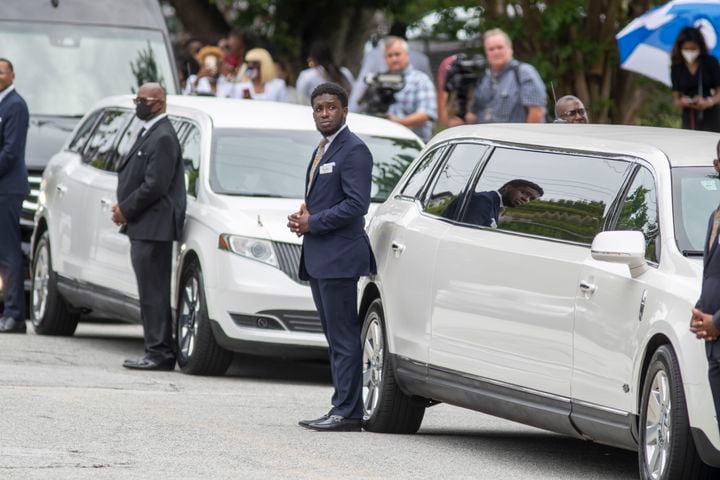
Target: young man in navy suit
(14, 118)
(336, 250)
(705, 318)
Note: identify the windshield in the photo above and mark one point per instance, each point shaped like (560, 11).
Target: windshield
(64, 69)
(273, 163)
(696, 193)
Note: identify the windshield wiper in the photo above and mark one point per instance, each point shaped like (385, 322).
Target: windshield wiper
(244, 194)
(50, 123)
(692, 253)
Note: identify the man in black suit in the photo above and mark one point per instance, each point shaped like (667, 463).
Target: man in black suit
(151, 209)
(14, 186)
(705, 318)
(484, 207)
(336, 250)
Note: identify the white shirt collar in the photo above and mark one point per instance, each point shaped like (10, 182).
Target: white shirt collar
(153, 121)
(332, 137)
(500, 195)
(5, 92)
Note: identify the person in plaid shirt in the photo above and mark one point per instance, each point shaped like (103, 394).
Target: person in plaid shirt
(415, 106)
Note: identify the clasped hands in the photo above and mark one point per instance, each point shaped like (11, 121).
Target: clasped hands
(702, 325)
(117, 216)
(697, 102)
(299, 222)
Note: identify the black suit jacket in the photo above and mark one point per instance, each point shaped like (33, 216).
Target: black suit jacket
(151, 186)
(709, 301)
(14, 120)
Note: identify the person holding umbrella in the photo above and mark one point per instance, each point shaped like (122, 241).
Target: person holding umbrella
(695, 76)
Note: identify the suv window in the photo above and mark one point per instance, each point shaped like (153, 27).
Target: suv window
(83, 133)
(100, 150)
(452, 179)
(558, 196)
(417, 179)
(639, 212)
(191, 158)
(127, 140)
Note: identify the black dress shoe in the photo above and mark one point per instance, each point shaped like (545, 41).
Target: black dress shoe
(10, 325)
(336, 423)
(305, 423)
(149, 364)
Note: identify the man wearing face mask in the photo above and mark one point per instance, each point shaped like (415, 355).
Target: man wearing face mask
(151, 211)
(695, 76)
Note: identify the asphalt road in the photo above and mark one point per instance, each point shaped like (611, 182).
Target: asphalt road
(68, 410)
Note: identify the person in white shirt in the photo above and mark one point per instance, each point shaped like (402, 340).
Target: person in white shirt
(322, 69)
(261, 82)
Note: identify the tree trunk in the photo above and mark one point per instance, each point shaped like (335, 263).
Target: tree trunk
(201, 19)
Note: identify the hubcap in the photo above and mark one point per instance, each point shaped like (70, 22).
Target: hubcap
(373, 354)
(658, 426)
(41, 277)
(190, 303)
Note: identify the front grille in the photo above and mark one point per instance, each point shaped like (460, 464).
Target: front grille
(30, 204)
(289, 259)
(307, 321)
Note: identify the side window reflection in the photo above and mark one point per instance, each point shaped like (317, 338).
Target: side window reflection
(557, 196)
(191, 159)
(639, 212)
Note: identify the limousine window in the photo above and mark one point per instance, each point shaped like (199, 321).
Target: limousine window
(577, 192)
(100, 150)
(273, 163)
(696, 193)
(639, 212)
(419, 176)
(451, 180)
(191, 159)
(83, 133)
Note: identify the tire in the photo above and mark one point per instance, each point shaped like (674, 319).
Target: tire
(387, 409)
(198, 353)
(666, 450)
(49, 312)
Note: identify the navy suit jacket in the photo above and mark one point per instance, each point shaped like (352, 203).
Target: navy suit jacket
(709, 301)
(336, 245)
(14, 119)
(484, 207)
(151, 186)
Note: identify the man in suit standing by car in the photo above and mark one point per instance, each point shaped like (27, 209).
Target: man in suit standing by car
(336, 250)
(151, 209)
(705, 319)
(14, 186)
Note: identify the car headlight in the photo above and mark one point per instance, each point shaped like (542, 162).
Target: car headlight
(253, 248)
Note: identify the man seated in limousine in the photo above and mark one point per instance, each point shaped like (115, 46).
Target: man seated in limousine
(484, 207)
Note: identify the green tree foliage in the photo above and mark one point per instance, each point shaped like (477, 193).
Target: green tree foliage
(145, 69)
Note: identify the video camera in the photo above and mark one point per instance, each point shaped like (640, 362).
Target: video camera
(461, 78)
(380, 92)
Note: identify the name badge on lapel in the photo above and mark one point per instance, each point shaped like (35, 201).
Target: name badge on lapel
(327, 168)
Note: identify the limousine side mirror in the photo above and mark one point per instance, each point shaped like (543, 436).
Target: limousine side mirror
(626, 247)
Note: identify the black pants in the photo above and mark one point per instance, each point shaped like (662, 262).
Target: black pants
(713, 355)
(152, 262)
(11, 257)
(336, 301)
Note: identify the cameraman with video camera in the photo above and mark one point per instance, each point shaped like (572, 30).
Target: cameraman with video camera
(508, 92)
(404, 95)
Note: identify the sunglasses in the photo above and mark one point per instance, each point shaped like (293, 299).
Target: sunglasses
(572, 113)
(144, 100)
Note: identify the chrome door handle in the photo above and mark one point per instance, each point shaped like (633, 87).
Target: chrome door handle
(587, 287)
(61, 188)
(398, 248)
(105, 203)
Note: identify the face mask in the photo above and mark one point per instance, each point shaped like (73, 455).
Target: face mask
(143, 111)
(690, 55)
(251, 73)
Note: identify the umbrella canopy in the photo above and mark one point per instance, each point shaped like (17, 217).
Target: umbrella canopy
(645, 44)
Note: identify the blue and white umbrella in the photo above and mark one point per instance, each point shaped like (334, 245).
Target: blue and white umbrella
(645, 44)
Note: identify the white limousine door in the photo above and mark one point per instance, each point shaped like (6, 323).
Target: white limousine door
(508, 270)
(610, 308)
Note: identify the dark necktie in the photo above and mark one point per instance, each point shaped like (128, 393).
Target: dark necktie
(316, 161)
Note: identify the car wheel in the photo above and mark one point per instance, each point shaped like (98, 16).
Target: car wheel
(198, 352)
(49, 312)
(387, 409)
(667, 450)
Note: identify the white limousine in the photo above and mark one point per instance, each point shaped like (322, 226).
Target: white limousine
(236, 285)
(546, 274)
